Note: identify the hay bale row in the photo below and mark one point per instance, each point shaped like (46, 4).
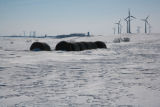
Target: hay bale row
(79, 46)
(68, 46)
(118, 40)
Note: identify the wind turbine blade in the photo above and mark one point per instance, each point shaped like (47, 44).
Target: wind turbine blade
(133, 17)
(147, 17)
(147, 22)
(127, 17)
(143, 20)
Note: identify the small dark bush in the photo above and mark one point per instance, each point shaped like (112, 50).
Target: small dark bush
(40, 46)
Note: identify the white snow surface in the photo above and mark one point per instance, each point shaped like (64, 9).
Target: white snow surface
(123, 75)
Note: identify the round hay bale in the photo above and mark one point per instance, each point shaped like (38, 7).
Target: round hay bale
(39, 46)
(82, 46)
(75, 47)
(125, 39)
(100, 44)
(85, 45)
(91, 45)
(117, 40)
(94, 45)
(64, 46)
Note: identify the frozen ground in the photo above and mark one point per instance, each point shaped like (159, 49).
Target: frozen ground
(124, 75)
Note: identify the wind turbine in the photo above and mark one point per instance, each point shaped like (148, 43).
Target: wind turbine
(146, 22)
(138, 29)
(127, 21)
(119, 26)
(129, 18)
(30, 33)
(127, 24)
(114, 30)
(24, 32)
(34, 33)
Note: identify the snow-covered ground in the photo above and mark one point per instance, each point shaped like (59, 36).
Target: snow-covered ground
(124, 75)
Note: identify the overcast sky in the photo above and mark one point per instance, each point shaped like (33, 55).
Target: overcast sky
(54, 17)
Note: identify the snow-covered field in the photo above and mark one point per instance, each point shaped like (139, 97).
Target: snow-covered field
(124, 75)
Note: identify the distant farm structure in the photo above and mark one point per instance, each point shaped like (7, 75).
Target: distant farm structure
(73, 35)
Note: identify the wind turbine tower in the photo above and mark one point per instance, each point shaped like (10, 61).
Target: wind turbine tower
(138, 29)
(129, 18)
(146, 22)
(114, 30)
(119, 26)
(127, 25)
(30, 33)
(24, 33)
(34, 33)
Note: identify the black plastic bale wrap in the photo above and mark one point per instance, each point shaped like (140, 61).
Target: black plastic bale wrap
(91, 45)
(82, 46)
(85, 45)
(64, 46)
(40, 46)
(125, 39)
(75, 47)
(100, 44)
(79, 46)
